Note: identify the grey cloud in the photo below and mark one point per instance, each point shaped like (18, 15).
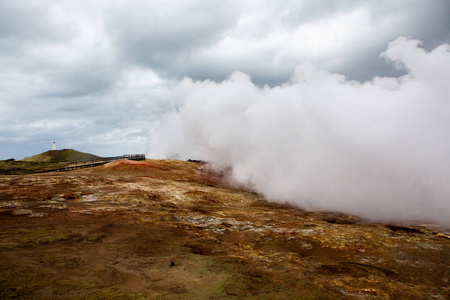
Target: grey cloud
(74, 82)
(35, 45)
(433, 25)
(360, 60)
(175, 39)
(67, 67)
(428, 23)
(164, 37)
(26, 21)
(306, 11)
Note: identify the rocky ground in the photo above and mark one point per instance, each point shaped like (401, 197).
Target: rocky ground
(171, 230)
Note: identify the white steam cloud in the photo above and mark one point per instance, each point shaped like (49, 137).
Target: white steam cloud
(379, 149)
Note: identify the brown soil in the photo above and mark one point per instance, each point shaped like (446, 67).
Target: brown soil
(162, 229)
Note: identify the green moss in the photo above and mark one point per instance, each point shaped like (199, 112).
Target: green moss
(26, 167)
(236, 281)
(114, 294)
(42, 236)
(19, 282)
(34, 238)
(230, 285)
(70, 285)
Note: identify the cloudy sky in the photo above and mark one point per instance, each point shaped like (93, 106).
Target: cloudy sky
(97, 76)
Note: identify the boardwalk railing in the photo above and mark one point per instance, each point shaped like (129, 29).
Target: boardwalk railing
(95, 162)
(126, 156)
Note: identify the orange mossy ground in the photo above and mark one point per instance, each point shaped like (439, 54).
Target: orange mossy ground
(167, 229)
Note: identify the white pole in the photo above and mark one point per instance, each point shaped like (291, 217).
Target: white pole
(54, 146)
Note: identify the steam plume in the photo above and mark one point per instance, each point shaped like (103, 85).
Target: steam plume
(379, 149)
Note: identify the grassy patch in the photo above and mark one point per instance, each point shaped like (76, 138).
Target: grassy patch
(70, 285)
(114, 294)
(40, 236)
(222, 282)
(26, 167)
(17, 281)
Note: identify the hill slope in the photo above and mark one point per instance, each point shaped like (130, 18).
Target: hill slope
(49, 160)
(65, 155)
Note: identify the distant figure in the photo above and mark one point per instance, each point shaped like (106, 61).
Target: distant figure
(54, 146)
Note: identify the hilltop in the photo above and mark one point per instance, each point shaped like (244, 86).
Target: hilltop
(49, 160)
(59, 156)
(168, 229)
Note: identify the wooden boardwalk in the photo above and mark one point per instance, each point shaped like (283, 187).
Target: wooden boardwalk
(95, 162)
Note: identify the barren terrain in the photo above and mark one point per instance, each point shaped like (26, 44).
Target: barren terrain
(163, 229)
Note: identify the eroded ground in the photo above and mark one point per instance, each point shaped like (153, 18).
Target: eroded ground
(167, 230)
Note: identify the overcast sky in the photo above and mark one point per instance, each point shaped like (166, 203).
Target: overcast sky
(97, 76)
